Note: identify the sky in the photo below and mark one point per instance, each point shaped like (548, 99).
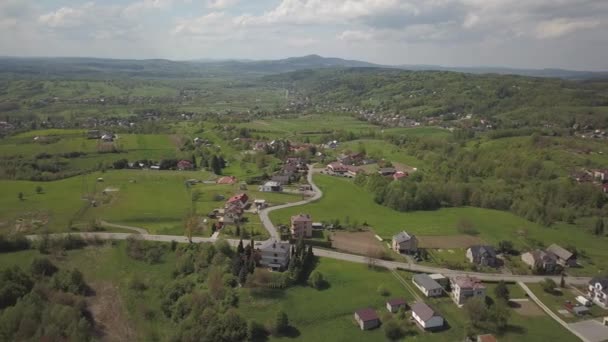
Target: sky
(571, 34)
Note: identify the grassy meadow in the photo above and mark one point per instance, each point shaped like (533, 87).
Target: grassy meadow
(345, 201)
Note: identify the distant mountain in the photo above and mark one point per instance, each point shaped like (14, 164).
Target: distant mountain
(152, 68)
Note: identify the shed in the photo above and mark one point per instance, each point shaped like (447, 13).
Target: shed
(367, 318)
(393, 305)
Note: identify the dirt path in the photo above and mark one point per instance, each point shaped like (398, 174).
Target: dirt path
(120, 226)
(108, 311)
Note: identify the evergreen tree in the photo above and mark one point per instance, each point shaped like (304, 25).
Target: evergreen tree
(501, 291)
(281, 322)
(243, 274)
(599, 227)
(238, 230)
(215, 166)
(240, 249)
(237, 263)
(193, 159)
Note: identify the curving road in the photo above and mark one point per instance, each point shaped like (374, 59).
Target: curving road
(393, 265)
(272, 230)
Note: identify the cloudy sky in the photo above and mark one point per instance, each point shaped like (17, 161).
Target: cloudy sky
(516, 33)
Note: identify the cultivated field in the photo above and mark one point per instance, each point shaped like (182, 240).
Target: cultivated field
(357, 242)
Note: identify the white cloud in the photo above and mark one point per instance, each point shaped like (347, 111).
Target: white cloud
(356, 36)
(221, 4)
(558, 27)
(65, 17)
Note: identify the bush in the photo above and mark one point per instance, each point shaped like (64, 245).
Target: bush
(392, 330)
(548, 285)
(316, 280)
(255, 331)
(383, 291)
(70, 281)
(280, 323)
(42, 267)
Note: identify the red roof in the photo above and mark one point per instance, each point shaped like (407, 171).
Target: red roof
(367, 314)
(226, 180)
(400, 174)
(243, 198)
(396, 301)
(301, 218)
(184, 164)
(486, 338)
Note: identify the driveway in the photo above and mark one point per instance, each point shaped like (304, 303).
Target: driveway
(592, 330)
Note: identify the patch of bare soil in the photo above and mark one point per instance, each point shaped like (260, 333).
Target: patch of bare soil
(108, 311)
(358, 242)
(448, 241)
(526, 308)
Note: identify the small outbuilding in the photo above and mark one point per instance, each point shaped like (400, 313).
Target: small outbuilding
(395, 304)
(367, 318)
(426, 317)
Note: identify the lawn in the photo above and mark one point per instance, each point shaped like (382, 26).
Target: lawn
(381, 149)
(555, 301)
(345, 201)
(521, 328)
(328, 314)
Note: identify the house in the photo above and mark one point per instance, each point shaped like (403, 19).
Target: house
(482, 255)
(331, 144)
(486, 338)
(387, 171)
(600, 175)
(598, 291)
(317, 226)
(239, 200)
(352, 171)
(404, 243)
(564, 256)
(107, 137)
(260, 203)
(400, 174)
(336, 168)
(540, 260)
(301, 226)
(271, 187)
(367, 318)
(441, 279)
(283, 179)
(426, 317)
(184, 165)
(231, 214)
(274, 254)
(605, 188)
(465, 287)
(227, 180)
(351, 159)
(395, 304)
(427, 285)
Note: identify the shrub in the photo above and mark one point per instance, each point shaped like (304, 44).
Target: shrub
(42, 267)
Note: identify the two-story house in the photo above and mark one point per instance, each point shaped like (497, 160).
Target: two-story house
(465, 287)
(301, 226)
(598, 291)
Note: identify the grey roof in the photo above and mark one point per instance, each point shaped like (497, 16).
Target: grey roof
(561, 252)
(426, 282)
(272, 245)
(602, 280)
(480, 250)
(423, 311)
(402, 237)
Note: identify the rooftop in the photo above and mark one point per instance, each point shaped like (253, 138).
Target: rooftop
(367, 314)
(402, 237)
(468, 282)
(423, 311)
(396, 301)
(301, 218)
(426, 281)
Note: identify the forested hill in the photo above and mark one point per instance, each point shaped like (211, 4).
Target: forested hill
(506, 100)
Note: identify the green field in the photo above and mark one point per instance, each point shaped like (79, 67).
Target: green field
(344, 201)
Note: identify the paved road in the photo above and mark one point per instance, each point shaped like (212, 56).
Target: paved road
(332, 254)
(551, 313)
(446, 272)
(272, 230)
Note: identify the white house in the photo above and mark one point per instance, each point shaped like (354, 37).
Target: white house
(274, 254)
(271, 186)
(427, 285)
(465, 287)
(426, 317)
(598, 291)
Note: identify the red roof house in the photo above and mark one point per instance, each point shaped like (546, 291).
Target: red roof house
(227, 180)
(367, 318)
(400, 174)
(184, 165)
(240, 199)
